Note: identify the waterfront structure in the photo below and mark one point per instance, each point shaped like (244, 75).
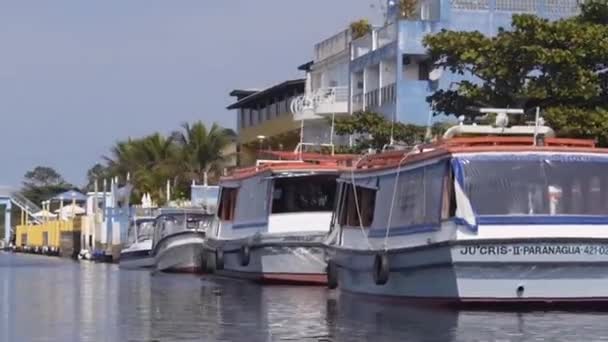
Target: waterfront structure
(264, 119)
(10, 197)
(389, 70)
(327, 90)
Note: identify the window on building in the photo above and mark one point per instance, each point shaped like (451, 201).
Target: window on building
(90, 241)
(227, 204)
(423, 71)
(366, 200)
(303, 194)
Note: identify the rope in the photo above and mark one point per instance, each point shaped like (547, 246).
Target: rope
(352, 174)
(390, 212)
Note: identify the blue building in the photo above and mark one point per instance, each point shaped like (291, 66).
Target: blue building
(389, 71)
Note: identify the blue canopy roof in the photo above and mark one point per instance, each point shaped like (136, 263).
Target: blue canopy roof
(70, 195)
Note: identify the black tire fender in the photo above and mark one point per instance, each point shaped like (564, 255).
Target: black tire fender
(332, 275)
(219, 259)
(245, 255)
(381, 269)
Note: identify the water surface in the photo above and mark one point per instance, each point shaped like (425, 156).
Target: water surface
(51, 299)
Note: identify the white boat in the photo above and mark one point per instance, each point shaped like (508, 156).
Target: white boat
(271, 222)
(505, 214)
(179, 234)
(138, 250)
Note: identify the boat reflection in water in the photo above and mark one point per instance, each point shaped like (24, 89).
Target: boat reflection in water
(179, 234)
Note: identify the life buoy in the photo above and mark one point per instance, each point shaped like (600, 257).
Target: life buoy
(245, 255)
(332, 275)
(381, 269)
(219, 259)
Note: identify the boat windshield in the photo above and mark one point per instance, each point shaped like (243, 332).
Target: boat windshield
(537, 185)
(178, 222)
(145, 230)
(303, 194)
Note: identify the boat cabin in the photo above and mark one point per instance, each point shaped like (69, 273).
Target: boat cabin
(174, 221)
(470, 185)
(279, 196)
(140, 229)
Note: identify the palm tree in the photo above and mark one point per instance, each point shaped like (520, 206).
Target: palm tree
(202, 149)
(150, 160)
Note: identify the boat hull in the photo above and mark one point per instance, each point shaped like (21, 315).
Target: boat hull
(181, 252)
(543, 271)
(136, 259)
(286, 262)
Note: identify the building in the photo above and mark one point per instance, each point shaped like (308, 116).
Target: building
(385, 71)
(389, 71)
(265, 119)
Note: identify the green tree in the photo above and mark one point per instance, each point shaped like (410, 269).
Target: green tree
(96, 172)
(560, 66)
(43, 182)
(360, 28)
(201, 149)
(372, 130)
(153, 160)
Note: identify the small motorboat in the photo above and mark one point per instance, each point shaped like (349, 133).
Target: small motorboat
(179, 235)
(137, 253)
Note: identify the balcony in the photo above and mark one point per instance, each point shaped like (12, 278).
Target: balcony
(332, 46)
(323, 101)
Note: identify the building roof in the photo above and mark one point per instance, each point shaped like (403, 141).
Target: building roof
(269, 93)
(70, 195)
(241, 93)
(306, 66)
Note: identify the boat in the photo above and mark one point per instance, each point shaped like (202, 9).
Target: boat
(138, 250)
(179, 234)
(487, 214)
(272, 219)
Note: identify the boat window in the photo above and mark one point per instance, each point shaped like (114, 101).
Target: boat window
(448, 207)
(419, 196)
(537, 185)
(227, 204)
(303, 194)
(366, 199)
(145, 230)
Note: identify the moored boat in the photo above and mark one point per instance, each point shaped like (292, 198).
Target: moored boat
(138, 250)
(272, 219)
(179, 234)
(489, 214)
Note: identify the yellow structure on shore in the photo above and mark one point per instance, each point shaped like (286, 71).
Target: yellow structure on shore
(55, 236)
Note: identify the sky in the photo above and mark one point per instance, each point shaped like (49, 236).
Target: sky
(76, 76)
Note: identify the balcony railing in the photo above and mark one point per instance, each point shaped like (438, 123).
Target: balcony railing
(363, 45)
(387, 34)
(372, 99)
(332, 46)
(322, 101)
(387, 94)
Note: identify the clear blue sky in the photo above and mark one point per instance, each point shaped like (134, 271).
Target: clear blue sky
(76, 75)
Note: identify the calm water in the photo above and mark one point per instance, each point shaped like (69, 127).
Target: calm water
(49, 299)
